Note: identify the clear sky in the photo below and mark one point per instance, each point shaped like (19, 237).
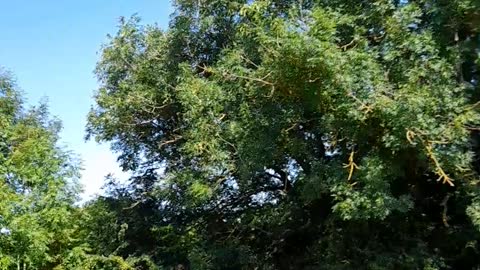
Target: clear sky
(52, 46)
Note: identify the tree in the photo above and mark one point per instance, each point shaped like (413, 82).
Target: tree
(301, 134)
(38, 186)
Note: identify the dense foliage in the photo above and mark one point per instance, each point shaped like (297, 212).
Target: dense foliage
(270, 134)
(41, 227)
(296, 135)
(37, 189)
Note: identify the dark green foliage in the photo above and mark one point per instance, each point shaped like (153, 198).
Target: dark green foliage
(263, 135)
(299, 134)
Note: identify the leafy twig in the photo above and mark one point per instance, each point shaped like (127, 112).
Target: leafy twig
(351, 165)
(428, 144)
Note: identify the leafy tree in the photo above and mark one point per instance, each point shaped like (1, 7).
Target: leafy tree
(38, 186)
(296, 134)
(40, 225)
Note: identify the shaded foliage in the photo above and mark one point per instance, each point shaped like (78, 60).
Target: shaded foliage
(299, 134)
(266, 134)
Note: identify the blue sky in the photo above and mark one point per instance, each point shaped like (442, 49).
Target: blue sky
(52, 46)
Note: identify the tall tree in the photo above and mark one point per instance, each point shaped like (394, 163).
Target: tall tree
(301, 134)
(38, 186)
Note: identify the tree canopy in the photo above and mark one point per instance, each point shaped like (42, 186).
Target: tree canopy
(38, 186)
(298, 134)
(275, 134)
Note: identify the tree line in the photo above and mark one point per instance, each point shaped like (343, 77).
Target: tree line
(262, 134)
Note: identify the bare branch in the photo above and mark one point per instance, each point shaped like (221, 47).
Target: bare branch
(445, 209)
(170, 141)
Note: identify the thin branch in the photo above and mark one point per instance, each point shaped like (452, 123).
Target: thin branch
(249, 61)
(345, 47)
(127, 63)
(472, 128)
(229, 143)
(132, 206)
(250, 79)
(367, 108)
(170, 141)
(222, 116)
(445, 209)
(428, 144)
(439, 171)
(273, 175)
(219, 181)
(259, 80)
(291, 127)
(473, 106)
